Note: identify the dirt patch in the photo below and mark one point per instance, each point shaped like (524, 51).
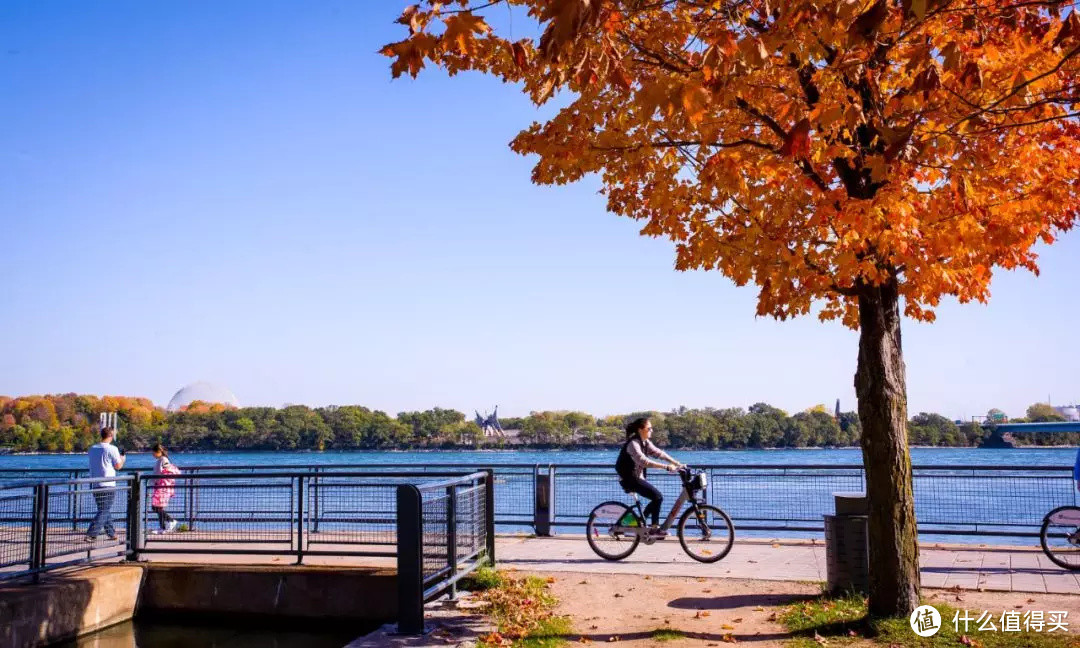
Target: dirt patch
(675, 611)
(681, 611)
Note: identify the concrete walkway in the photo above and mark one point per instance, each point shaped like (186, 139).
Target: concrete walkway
(1017, 569)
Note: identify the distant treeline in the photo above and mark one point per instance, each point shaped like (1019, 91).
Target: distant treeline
(67, 423)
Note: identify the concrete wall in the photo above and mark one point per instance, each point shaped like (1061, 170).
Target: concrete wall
(330, 594)
(68, 604)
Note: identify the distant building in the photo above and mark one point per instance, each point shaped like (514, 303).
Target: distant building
(1070, 412)
(201, 391)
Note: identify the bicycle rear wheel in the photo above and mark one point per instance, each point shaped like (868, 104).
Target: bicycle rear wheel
(706, 534)
(1060, 537)
(607, 534)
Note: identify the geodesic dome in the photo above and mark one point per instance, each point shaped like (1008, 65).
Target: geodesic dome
(201, 391)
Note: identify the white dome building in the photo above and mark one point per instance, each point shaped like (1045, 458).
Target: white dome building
(1070, 412)
(201, 391)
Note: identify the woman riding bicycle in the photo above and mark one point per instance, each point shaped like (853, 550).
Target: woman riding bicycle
(632, 462)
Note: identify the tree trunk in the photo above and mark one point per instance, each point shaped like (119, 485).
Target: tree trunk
(881, 387)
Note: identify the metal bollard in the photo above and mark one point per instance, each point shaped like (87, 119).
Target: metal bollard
(544, 507)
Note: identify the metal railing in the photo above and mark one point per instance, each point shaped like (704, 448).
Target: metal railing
(342, 513)
(444, 533)
(952, 501)
(46, 525)
(438, 530)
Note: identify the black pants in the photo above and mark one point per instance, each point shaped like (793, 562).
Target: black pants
(649, 492)
(163, 516)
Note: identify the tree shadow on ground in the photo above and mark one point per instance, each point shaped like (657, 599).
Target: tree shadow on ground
(737, 601)
(726, 637)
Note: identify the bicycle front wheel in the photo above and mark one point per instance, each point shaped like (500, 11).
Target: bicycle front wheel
(706, 533)
(612, 530)
(1060, 537)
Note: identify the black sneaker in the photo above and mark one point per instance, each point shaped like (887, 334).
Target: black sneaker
(657, 533)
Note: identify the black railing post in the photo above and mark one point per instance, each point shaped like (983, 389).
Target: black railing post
(135, 520)
(410, 560)
(37, 530)
(451, 536)
(73, 503)
(300, 520)
(316, 511)
(189, 499)
(489, 514)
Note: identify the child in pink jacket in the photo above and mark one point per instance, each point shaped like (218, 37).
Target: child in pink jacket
(163, 489)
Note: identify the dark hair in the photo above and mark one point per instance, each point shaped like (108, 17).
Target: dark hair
(107, 432)
(160, 448)
(635, 427)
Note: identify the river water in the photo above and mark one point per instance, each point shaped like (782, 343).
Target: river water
(1057, 457)
(960, 501)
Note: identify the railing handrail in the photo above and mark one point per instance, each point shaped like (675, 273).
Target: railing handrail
(461, 480)
(279, 469)
(298, 474)
(60, 482)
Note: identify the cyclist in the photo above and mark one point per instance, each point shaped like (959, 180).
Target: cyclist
(632, 462)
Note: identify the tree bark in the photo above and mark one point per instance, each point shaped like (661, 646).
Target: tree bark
(881, 387)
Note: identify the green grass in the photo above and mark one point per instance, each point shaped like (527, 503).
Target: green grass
(550, 633)
(840, 621)
(481, 580)
(666, 634)
(521, 607)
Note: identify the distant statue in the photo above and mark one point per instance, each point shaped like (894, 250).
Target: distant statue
(490, 423)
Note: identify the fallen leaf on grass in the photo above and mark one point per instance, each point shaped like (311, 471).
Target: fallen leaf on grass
(612, 638)
(759, 609)
(584, 582)
(1031, 600)
(820, 640)
(727, 626)
(737, 620)
(729, 639)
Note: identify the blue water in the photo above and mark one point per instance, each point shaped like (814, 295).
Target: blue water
(997, 501)
(1056, 457)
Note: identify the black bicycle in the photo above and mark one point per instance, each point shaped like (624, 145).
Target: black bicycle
(1060, 537)
(705, 532)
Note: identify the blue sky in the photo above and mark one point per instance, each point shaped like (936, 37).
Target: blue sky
(237, 192)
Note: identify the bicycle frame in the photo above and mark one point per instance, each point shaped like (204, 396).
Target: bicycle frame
(684, 496)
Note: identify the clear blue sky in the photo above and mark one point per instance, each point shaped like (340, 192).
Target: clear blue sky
(238, 192)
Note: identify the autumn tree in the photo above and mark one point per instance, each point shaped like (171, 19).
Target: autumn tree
(861, 159)
(1044, 413)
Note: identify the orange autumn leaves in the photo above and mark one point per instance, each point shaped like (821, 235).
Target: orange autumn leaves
(809, 147)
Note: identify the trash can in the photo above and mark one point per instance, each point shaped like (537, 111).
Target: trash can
(847, 558)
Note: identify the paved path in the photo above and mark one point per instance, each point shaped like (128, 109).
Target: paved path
(1019, 569)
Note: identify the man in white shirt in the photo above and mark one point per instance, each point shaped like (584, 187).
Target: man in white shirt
(105, 460)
